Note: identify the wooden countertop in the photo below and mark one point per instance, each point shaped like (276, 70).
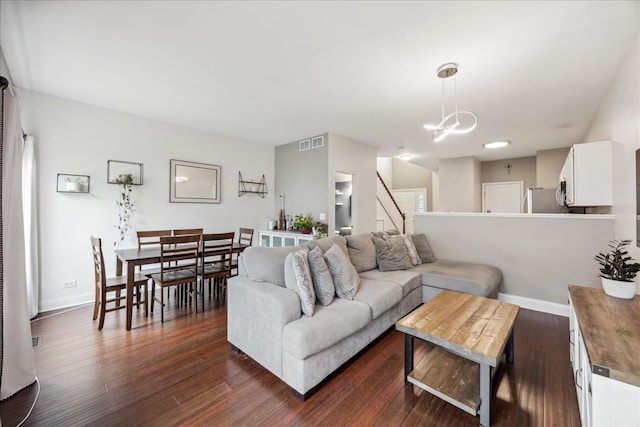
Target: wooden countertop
(611, 331)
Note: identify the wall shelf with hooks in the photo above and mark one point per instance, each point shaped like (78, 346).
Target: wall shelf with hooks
(253, 187)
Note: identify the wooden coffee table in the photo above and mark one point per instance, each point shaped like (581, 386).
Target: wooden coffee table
(471, 333)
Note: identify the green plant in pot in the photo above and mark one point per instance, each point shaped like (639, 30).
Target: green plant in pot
(125, 206)
(303, 223)
(618, 270)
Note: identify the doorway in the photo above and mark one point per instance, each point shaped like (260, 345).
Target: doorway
(343, 198)
(410, 201)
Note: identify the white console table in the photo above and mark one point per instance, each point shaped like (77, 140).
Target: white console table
(604, 347)
(275, 238)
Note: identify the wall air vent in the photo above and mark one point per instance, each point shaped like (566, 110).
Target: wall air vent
(305, 145)
(317, 142)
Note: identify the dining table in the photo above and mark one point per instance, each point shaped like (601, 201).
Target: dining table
(135, 257)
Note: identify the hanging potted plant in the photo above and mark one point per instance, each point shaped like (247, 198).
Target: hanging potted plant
(125, 205)
(618, 270)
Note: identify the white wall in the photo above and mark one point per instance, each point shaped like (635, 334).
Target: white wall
(350, 156)
(77, 138)
(460, 184)
(618, 119)
(549, 163)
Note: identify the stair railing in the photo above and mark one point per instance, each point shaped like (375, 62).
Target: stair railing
(402, 214)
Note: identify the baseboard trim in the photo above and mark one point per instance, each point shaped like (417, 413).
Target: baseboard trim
(58, 303)
(536, 304)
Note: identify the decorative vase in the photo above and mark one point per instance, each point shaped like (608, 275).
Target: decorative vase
(619, 289)
(306, 231)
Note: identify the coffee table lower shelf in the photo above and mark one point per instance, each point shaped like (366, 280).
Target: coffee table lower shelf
(451, 378)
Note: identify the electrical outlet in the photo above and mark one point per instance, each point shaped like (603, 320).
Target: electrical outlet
(323, 216)
(69, 284)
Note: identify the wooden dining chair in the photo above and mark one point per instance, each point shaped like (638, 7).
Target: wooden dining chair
(182, 292)
(178, 264)
(105, 286)
(187, 231)
(215, 263)
(146, 239)
(245, 239)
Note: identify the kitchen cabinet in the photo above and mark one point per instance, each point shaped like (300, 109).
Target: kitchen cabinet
(588, 174)
(603, 353)
(277, 238)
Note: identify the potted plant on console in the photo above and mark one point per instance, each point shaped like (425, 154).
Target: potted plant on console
(303, 223)
(618, 270)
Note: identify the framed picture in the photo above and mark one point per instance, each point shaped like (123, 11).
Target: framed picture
(193, 182)
(69, 183)
(116, 168)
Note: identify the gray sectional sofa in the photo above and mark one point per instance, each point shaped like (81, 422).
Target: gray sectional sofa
(266, 320)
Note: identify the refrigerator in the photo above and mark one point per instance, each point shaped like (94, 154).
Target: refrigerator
(543, 200)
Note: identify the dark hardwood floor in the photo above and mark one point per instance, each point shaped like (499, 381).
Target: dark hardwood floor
(183, 372)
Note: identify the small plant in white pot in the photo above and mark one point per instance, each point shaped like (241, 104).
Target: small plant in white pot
(618, 270)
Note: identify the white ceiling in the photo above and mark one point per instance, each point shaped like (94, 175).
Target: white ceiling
(276, 72)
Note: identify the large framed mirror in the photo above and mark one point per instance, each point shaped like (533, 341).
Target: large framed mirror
(193, 182)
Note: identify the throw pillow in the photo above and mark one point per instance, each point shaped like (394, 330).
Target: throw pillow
(362, 252)
(413, 253)
(392, 254)
(321, 276)
(344, 275)
(422, 246)
(298, 278)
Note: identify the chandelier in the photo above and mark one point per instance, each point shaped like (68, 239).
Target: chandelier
(450, 123)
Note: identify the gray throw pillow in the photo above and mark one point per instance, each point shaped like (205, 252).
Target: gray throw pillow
(413, 253)
(362, 252)
(344, 275)
(321, 276)
(392, 254)
(298, 279)
(422, 246)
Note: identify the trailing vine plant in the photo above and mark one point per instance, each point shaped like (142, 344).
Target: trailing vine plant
(125, 206)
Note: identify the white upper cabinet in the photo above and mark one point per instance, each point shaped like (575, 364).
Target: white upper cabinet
(588, 172)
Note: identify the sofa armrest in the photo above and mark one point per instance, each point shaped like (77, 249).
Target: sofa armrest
(256, 314)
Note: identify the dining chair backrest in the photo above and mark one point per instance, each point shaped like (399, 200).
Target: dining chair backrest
(98, 263)
(187, 231)
(217, 248)
(245, 236)
(151, 237)
(178, 253)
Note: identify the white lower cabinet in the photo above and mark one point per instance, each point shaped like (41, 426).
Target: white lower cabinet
(282, 238)
(602, 401)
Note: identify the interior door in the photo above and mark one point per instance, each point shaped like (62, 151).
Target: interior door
(411, 201)
(502, 197)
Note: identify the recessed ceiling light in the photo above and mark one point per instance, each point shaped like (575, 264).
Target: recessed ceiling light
(405, 157)
(496, 144)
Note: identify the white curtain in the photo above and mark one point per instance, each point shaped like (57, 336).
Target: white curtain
(18, 369)
(30, 207)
